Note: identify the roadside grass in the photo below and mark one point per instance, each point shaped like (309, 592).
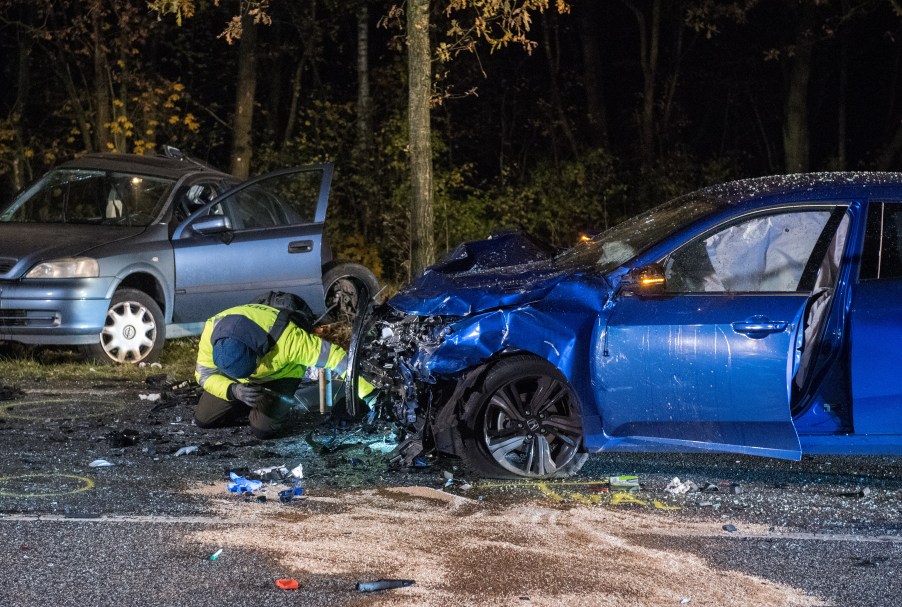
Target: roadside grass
(33, 363)
(19, 363)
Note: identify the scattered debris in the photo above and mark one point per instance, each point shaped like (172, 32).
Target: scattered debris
(684, 601)
(678, 487)
(100, 463)
(863, 492)
(298, 471)
(870, 562)
(286, 495)
(287, 584)
(125, 438)
(187, 450)
(239, 484)
(709, 487)
(273, 473)
(150, 397)
(160, 379)
(383, 585)
(735, 488)
(215, 555)
(730, 528)
(624, 483)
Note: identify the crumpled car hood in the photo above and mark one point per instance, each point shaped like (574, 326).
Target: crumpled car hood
(501, 271)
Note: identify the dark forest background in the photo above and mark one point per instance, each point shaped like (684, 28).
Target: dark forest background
(612, 106)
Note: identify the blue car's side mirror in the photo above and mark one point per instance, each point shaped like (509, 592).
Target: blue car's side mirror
(645, 281)
(212, 225)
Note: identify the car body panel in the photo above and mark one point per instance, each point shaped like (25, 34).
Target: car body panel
(876, 335)
(681, 368)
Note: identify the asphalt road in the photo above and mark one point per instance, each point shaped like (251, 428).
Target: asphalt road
(136, 532)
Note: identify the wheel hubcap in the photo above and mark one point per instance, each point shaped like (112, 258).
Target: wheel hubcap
(532, 426)
(130, 332)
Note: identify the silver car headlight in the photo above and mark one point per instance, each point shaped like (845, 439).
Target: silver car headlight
(67, 267)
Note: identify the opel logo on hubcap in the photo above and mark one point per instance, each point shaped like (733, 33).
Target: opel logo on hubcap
(129, 332)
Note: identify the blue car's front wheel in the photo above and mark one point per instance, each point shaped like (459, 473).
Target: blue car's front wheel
(523, 422)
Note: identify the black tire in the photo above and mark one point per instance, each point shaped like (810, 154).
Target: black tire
(134, 331)
(523, 421)
(347, 287)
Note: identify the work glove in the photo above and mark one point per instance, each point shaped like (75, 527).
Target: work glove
(250, 394)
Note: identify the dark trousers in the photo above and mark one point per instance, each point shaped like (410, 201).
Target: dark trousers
(266, 420)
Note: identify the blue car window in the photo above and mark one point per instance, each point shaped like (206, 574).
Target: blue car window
(766, 253)
(882, 256)
(280, 200)
(253, 208)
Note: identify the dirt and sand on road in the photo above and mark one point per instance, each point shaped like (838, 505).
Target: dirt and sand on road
(463, 552)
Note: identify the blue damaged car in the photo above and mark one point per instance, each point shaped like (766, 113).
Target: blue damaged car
(760, 317)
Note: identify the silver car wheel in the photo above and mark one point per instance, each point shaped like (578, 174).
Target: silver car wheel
(532, 427)
(130, 332)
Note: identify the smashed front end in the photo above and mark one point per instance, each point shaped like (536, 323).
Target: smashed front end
(392, 350)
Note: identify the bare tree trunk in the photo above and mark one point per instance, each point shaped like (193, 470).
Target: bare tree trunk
(419, 66)
(242, 138)
(592, 80)
(364, 103)
(81, 114)
(307, 42)
(554, 70)
(292, 117)
(101, 81)
(649, 41)
(21, 174)
(795, 119)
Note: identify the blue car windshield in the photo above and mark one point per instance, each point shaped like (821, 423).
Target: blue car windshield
(90, 196)
(614, 247)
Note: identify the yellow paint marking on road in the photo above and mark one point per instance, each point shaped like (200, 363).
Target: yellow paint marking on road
(582, 498)
(549, 492)
(86, 484)
(626, 498)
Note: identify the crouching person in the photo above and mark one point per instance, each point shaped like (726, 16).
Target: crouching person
(250, 362)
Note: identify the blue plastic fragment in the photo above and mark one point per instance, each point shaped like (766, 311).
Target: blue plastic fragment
(287, 495)
(239, 484)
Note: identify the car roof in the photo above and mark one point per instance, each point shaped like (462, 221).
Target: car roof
(816, 185)
(156, 166)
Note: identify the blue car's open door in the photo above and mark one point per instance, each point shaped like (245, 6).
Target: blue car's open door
(265, 234)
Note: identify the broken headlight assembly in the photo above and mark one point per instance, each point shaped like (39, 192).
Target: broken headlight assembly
(391, 350)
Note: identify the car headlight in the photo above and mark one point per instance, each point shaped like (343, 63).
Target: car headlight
(68, 267)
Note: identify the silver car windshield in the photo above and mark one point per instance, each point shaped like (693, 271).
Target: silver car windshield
(616, 246)
(90, 196)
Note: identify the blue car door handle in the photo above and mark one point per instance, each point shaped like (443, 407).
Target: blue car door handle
(300, 246)
(758, 328)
